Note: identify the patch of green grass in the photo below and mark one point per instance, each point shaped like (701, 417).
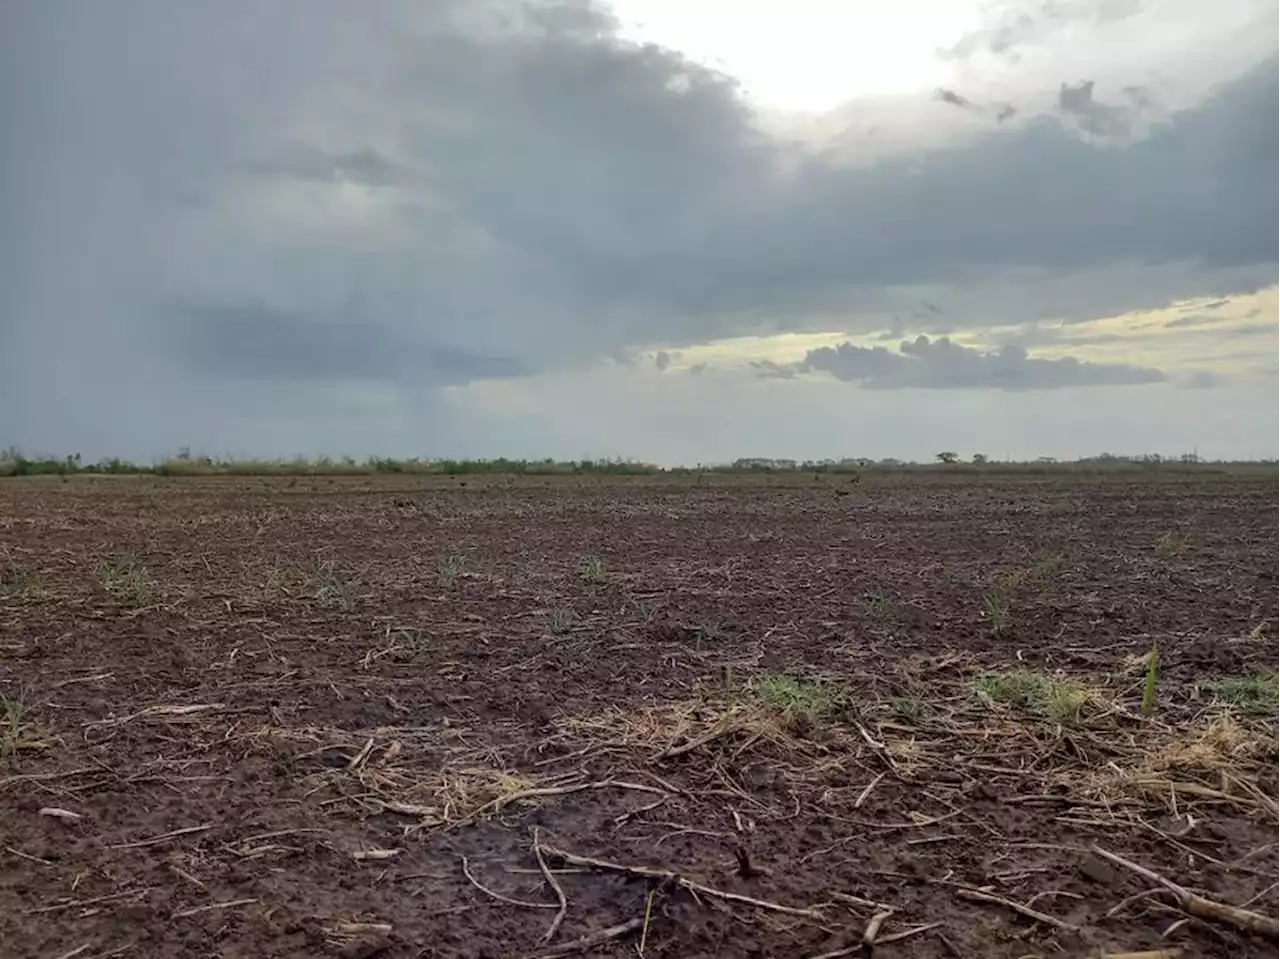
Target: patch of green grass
(592, 569)
(907, 708)
(409, 642)
(11, 713)
(810, 701)
(1254, 693)
(878, 605)
(1046, 562)
(559, 621)
(327, 585)
(1171, 544)
(997, 599)
(125, 577)
(16, 733)
(18, 581)
(996, 605)
(1059, 700)
(448, 569)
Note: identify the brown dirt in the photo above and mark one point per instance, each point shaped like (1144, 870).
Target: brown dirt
(286, 723)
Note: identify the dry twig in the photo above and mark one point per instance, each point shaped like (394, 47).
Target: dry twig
(466, 871)
(592, 939)
(230, 904)
(1199, 906)
(678, 880)
(165, 837)
(977, 895)
(555, 887)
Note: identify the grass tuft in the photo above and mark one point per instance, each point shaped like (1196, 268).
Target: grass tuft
(11, 712)
(559, 621)
(878, 605)
(1253, 693)
(16, 734)
(592, 569)
(125, 577)
(18, 581)
(1059, 700)
(448, 569)
(810, 702)
(327, 585)
(996, 605)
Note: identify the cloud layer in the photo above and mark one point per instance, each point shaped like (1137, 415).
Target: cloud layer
(418, 196)
(941, 364)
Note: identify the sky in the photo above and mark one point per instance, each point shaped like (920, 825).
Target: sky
(675, 231)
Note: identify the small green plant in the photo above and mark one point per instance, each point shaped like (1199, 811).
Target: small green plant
(11, 713)
(1171, 544)
(907, 708)
(808, 701)
(592, 569)
(408, 643)
(1149, 687)
(16, 734)
(559, 621)
(1046, 563)
(996, 605)
(878, 605)
(1257, 693)
(448, 569)
(124, 576)
(19, 582)
(327, 586)
(997, 599)
(1059, 700)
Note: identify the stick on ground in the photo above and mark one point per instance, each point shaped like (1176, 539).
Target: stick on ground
(873, 927)
(678, 880)
(592, 939)
(555, 887)
(466, 871)
(977, 895)
(1199, 906)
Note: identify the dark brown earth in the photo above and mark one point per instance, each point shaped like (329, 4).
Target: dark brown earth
(303, 710)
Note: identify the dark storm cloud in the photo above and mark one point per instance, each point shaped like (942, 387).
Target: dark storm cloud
(255, 341)
(1193, 319)
(304, 162)
(923, 363)
(1093, 117)
(413, 188)
(769, 370)
(1041, 197)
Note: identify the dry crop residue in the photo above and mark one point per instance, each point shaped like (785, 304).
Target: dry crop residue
(778, 716)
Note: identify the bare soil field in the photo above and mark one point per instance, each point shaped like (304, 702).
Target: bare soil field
(779, 716)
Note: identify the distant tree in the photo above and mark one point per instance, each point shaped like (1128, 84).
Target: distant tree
(979, 459)
(947, 458)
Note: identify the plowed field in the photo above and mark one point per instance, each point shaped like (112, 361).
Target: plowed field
(412, 717)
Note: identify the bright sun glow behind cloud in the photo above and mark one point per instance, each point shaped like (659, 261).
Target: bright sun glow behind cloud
(807, 55)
